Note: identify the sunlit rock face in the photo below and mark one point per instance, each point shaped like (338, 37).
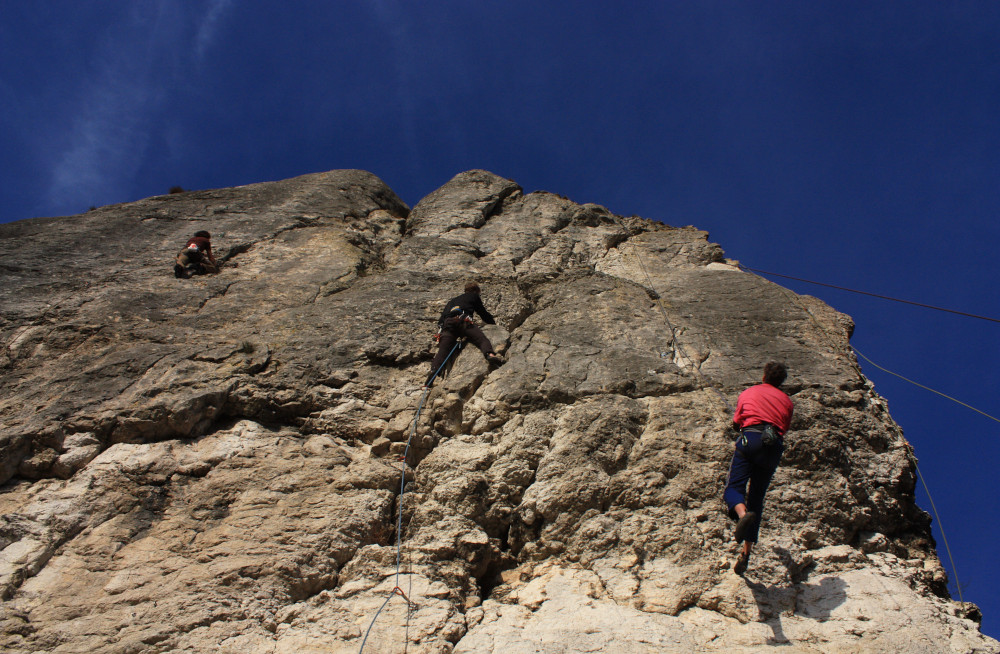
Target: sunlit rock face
(215, 463)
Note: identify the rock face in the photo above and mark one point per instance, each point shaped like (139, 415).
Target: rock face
(215, 464)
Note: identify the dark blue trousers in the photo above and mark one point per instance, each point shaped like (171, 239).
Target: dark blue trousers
(753, 464)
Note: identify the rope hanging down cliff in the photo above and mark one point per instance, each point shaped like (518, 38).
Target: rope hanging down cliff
(459, 344)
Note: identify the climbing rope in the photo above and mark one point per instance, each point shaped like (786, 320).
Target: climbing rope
(674, 343)
(886, 370)
(947, 548)
(927, 490)
(459, 344)
(883, 297)
(912, 459)
(926, 388)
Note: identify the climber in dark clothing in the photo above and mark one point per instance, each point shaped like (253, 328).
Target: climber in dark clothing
(763, 415)
(196, 256)
(456, 322)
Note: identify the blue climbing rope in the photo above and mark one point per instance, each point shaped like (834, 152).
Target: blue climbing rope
(399, 520)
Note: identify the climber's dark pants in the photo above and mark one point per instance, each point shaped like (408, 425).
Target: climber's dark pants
(453, 330)
(192, 257)
(754, 463)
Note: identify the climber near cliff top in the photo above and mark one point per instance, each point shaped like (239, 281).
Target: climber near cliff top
(456, 322)
(196, 256)
(763, 415)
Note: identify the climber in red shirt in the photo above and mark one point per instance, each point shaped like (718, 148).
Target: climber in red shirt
(763, 415)
(196, 256)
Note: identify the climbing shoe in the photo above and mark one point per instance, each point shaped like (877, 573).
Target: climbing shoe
(494, 359)
(748, 520)
(741, 563)
(179, 271)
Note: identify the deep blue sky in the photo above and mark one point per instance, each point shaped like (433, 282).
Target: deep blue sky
(854, 143)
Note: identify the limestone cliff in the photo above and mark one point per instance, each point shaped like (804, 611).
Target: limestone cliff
(213, 464)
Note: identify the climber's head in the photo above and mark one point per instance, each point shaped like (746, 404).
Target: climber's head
(775, 373)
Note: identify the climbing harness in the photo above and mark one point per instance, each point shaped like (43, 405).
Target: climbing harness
(769, 435)
(410, 604)
(455, 318)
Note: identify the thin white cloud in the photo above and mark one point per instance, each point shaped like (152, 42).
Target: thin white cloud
(207, 26)
(106, 136)
(116, 111)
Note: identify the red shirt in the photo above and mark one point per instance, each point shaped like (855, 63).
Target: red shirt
(764, 403)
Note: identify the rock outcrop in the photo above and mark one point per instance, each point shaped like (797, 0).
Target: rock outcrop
(215, 464)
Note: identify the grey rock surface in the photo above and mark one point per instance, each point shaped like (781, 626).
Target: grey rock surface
(216, 463)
